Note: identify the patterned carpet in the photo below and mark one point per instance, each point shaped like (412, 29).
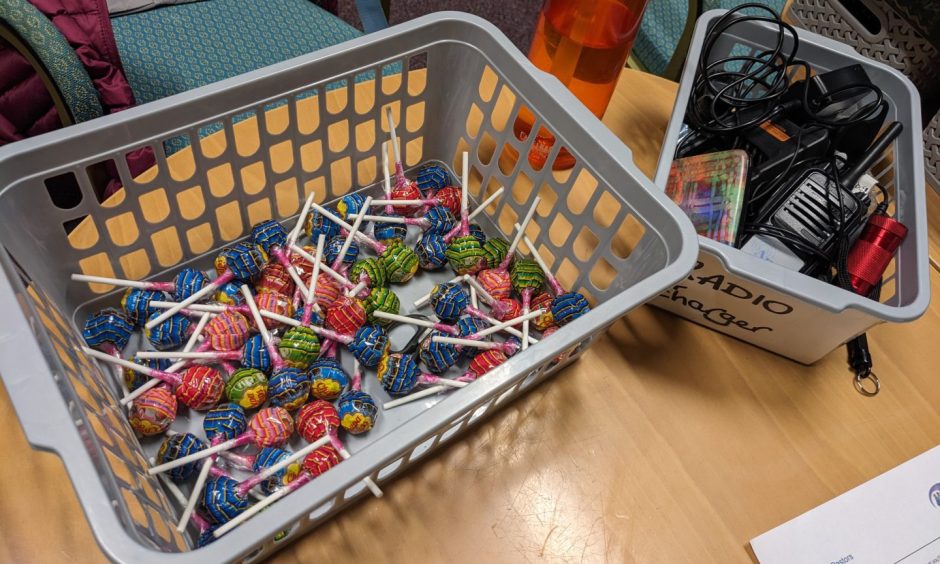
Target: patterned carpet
(516, 18)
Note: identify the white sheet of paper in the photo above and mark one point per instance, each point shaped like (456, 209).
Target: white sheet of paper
(894, 518)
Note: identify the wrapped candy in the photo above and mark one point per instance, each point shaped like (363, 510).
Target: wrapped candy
(247, 388)
(327, 379)
(224, 421)
(346, 315)
(274, 280)
(267, 458)
(227, 331)
(380, 299)
(464, 252)
(431, 178)
(221, 499)
(387, 231)
(177, 446)
(153, 412)
(255, 354)
(431, 251)
(199, 387)
(108, 330)
(543, 300)
(315, 420)
(319, 223)
(350, 204)
(289, 388)
(438, 219)
(299, 346)
(332, 251)
(229, 294)
(136, 304)
(369, 271)
(438, 357)
(495, 250)
(356, 409)
(134, 379)
(399, 374)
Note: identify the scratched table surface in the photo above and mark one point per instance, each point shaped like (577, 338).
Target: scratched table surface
(666, 442)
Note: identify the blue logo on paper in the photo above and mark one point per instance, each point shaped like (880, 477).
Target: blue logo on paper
(934, 495)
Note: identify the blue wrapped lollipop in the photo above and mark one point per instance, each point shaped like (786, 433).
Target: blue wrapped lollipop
(168, 334)
(438, 357)
(136, 304)
(317, 224)
(399, 374)
(327, 379)
(431, 178)
(178, 446)
(108, 330)
(335, 245)
(356, 409)
(222, 500)
(224, 421)
(566, 306)
(449, 301)
(431, 250)
(289, 388)
(268, 457)
(385, 231)
(255, 354)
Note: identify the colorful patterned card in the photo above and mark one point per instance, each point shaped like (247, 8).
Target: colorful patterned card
(710, 189)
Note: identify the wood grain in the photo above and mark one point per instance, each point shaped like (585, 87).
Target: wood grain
(665, 443)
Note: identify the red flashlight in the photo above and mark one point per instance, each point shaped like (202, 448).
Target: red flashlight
(872, 251)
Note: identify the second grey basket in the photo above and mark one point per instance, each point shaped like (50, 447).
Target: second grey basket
(310, 124)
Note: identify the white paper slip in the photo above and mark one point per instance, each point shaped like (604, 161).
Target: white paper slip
(894, 518)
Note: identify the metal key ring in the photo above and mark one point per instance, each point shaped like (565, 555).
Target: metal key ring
(860, 383)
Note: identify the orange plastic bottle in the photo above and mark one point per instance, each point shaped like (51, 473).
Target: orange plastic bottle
(585, 44)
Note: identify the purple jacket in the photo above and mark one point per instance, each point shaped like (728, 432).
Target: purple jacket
(26, 108)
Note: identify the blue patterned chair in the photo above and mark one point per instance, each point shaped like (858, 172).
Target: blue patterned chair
(666, 30)
(175, 48)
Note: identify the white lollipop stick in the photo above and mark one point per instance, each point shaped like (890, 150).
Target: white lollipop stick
(509, 323)
(464, 186)
(525, 330)
(295, 232)
(216, 308)
(352, 233)
(384, 218)
(467, 342)
(312, 288)
(253, 307)
(413, 321)
(174, 490)
(414, 397)
(387, 177)
(196, 456)
(473, 298)
(475, 285)
(427, 297)
(519, 232)
(112, 281)
(373, 487)
(391, 129)
(190, 504)
(510, 330)
(153, 382)
(489, 200)
(356, 289)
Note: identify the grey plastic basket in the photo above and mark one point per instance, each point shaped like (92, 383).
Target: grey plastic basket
(617, 240)
(779, 309)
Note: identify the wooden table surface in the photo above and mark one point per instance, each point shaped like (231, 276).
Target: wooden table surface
(666, 442)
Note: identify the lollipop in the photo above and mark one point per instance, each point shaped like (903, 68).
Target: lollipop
(229, 294)
(356, 409)
(431, 178)
(221, 500)
(320, 223)
(299, 346)
(255, 354)
(108, 330)
(495, 250)
(187, 282)
(368, 272)
(315, 419)
(152, 412)
(464, 253)
(334, 254)
(271, 426)
(177, 446)
(242, 262)
(136, 304)
(388, 231)
(437, 356)
(399, 375)
(431, 251)
(450, 301)
(247, 388)
(227, 331)
(527, 277)
(169, 333)
(543, 300)
(380, 299)
(271, 238)
(350, 204)
(275, 279)
(327, 378)
(199, 387)
(566, 306)
(496, 280)
(404, 188)
(346, 315)
(400, 262)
